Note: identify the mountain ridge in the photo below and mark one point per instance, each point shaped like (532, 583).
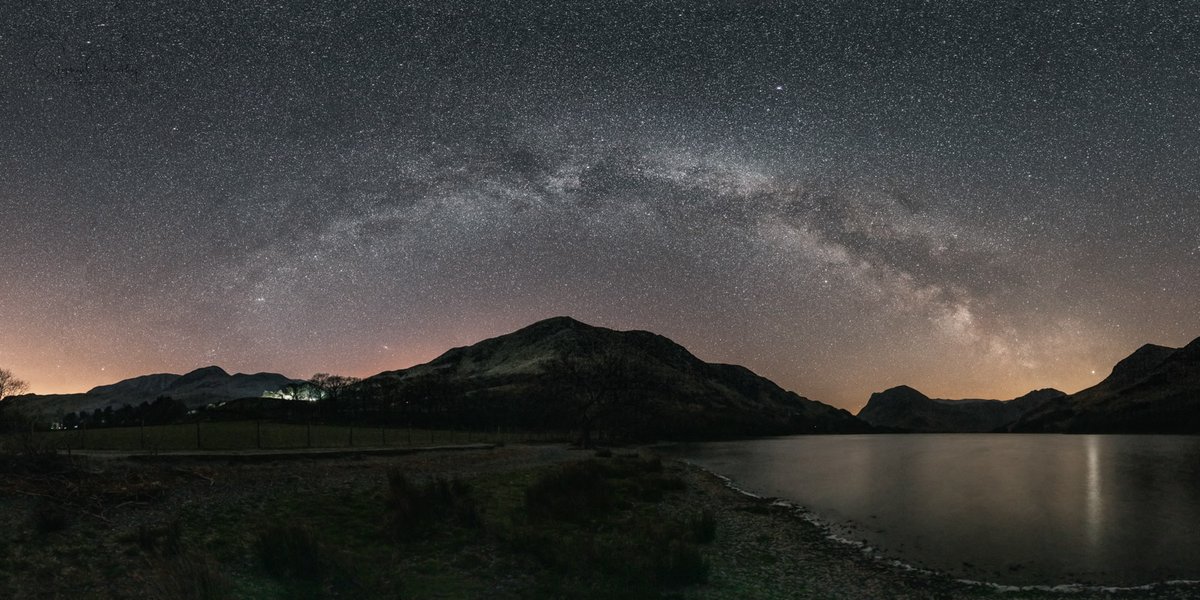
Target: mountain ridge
(1156, 389)
(532, 377)
(903, 408)
(198, 387)
(680, 395)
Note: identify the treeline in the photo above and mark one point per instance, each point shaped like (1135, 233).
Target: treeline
(428, 402)
(590, 396)
(162, 411)
(611, 400)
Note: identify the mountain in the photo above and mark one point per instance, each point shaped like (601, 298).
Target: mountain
(197, 388)
(1154, 390)
(560, 372)
(905, 409)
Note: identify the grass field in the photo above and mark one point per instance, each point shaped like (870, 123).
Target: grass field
(248, 435)
(506, 523)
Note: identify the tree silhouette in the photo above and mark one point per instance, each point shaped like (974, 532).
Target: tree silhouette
(10, 385)
(596, 388)
(337, 392)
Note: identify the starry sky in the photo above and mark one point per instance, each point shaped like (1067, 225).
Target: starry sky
(973, 198)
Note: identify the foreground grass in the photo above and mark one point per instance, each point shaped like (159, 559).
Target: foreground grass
(587, 527)
(599, 528)
(494, 537)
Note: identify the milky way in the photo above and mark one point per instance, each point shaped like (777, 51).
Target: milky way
(974, 198)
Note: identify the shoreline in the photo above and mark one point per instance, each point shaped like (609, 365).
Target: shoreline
(821, 539)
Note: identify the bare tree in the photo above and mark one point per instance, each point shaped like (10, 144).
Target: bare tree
(10, 385)
(298, 390)
(337, 391)
(596, 388)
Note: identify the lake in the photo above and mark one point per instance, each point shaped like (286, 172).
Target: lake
(1011, 509)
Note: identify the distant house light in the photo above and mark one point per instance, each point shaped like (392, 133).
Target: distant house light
(302, 392)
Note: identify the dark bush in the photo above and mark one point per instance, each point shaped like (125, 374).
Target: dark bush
(146, 538)
(452, 498)
(704, 527)
(164, 539)
(412, 509)
(632, 465)
(636, 550)
(574, 492)
(49, 517)
(652, 488)
(405, 505)
(188, 578)
(290, 551)
(680, 564)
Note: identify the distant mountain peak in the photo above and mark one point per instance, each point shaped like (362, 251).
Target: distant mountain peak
(898, 393)
(1148, 352)
(1153, 390)
(554, 326)
(209, 370)
(559, 322)
(902, 388)
(196, 388)
(1134, 366)
(904, 408)
(1042, 394)
(676, 393)
(201, 374)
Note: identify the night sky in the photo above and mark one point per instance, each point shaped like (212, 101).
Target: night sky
(972, 198)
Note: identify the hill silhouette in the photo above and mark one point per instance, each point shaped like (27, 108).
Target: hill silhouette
(1154, 390)
(903, 408)
(636, 383)
(196, 388)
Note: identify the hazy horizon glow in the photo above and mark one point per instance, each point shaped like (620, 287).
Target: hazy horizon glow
(975, 199)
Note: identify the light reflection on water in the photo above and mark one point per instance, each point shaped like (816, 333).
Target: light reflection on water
(1024, 509)
(1094, 500)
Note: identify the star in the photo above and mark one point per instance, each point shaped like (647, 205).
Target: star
(935, 204)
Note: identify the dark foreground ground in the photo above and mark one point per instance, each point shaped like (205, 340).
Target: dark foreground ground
(507, 522)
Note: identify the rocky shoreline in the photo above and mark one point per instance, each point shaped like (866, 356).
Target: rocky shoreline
(769, 548)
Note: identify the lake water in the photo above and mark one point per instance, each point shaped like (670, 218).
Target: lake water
(1014, 509)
